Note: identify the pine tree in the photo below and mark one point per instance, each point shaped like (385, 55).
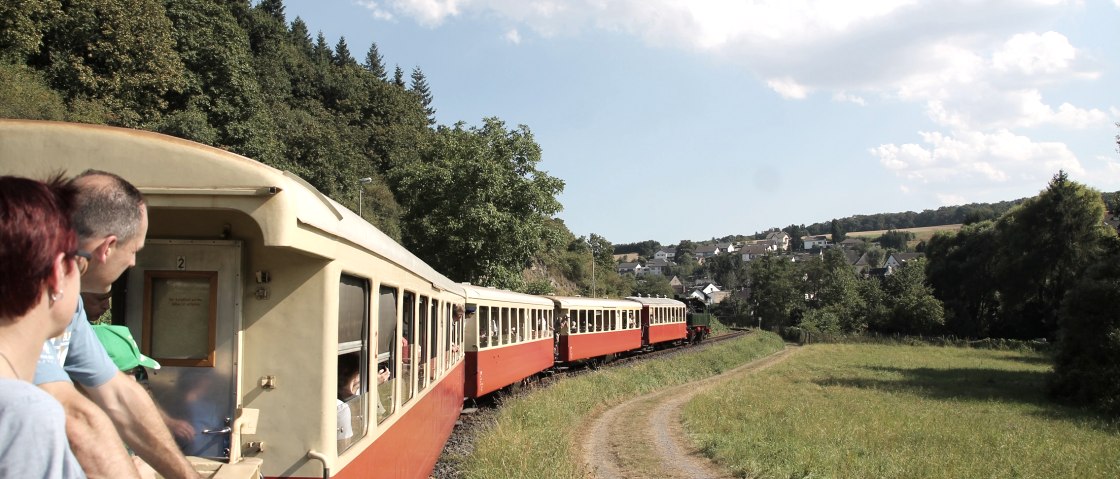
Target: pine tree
(321, 53)
(398, 77)
(375, 64)
(342, 55)
(420, 87)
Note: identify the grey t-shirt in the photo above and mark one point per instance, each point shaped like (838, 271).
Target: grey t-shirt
(76, 354)
(33, 434)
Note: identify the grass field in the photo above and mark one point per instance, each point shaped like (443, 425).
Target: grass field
(537, 435)
(901, 412)
(920, 234)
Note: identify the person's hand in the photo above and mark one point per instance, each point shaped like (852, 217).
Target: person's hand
(182, 430)
(382, 375)
(146, 471)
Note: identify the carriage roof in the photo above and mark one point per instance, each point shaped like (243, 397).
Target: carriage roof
(173, 172)
(477, 293)
(582, 302)
(656, 301)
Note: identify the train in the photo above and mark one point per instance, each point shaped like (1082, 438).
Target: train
(253, 288)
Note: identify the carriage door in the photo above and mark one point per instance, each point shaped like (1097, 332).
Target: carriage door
(184, 308)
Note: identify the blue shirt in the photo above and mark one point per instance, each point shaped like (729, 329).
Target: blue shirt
(33, 435)
(75, 355)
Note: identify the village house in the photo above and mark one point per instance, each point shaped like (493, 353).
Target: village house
(818, 241)
(666, 254)
(658, 267)
(630, 268)
(897, 260)
(779, 239)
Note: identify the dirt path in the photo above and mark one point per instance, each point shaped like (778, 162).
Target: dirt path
(643, 436)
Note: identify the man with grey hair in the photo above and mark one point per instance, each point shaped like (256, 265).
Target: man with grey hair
(111, 219)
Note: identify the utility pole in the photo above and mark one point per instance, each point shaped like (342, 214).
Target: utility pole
(361, 186)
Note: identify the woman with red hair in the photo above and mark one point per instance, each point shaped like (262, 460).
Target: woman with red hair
(40, 268)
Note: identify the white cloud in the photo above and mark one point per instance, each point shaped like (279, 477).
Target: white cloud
(513, 37)
(949, 199)
(844, 97)
(376, 9)
(976, 157)
(788, 88)
(1031, 54)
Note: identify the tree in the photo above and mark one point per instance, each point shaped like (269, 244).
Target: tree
(959, 269)
(652, 285)
(420, 88)
(220, 102)
(475, 207)
(1047, 242)
(116, 54)
(837, 230)
(398, 77)
(915, 309)
(342, 56)
(686, 247)
(1087, 361)
(895, 240)
(375, 64)
(22, 25)
(833, 284)
(776, 291)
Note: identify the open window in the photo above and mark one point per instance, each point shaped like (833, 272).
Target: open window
(353, 356)
(409, 348)
(387, 354)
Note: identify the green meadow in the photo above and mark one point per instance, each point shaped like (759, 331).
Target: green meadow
(885, 411)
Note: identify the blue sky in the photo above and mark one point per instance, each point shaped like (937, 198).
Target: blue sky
(693, 119)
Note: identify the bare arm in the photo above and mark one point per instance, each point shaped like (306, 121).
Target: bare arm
(93, 440)
(141, 425)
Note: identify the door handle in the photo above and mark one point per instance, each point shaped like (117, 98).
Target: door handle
(224, 430)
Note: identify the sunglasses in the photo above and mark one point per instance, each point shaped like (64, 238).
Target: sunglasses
(81, 258)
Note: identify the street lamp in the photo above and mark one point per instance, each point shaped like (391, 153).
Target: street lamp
(592, 245)
(362, 181)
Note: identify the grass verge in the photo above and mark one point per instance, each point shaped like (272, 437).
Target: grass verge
(537, 435)
(884, 411)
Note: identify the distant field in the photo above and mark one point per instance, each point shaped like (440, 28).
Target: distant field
(901, 412)
(920, 234)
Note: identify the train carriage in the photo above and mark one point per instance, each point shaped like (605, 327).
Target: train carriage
(251, 291)
(509, 337)
(593, 327)
(663, 320)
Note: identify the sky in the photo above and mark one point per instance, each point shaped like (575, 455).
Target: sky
(699, 119)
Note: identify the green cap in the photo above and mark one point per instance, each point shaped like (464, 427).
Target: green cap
(122, 348)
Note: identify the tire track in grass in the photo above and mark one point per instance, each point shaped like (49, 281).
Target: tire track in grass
(609, 450)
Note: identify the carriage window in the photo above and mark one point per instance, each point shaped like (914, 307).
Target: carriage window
(408, 346)
(485, 326)
(353, 354)
(503, 325)
(521, 330)
(450, 320)
(387, 342)
(180, 313)
(433, 344)
(422, 349)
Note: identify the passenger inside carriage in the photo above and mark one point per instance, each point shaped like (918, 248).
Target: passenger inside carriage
(349, 387)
